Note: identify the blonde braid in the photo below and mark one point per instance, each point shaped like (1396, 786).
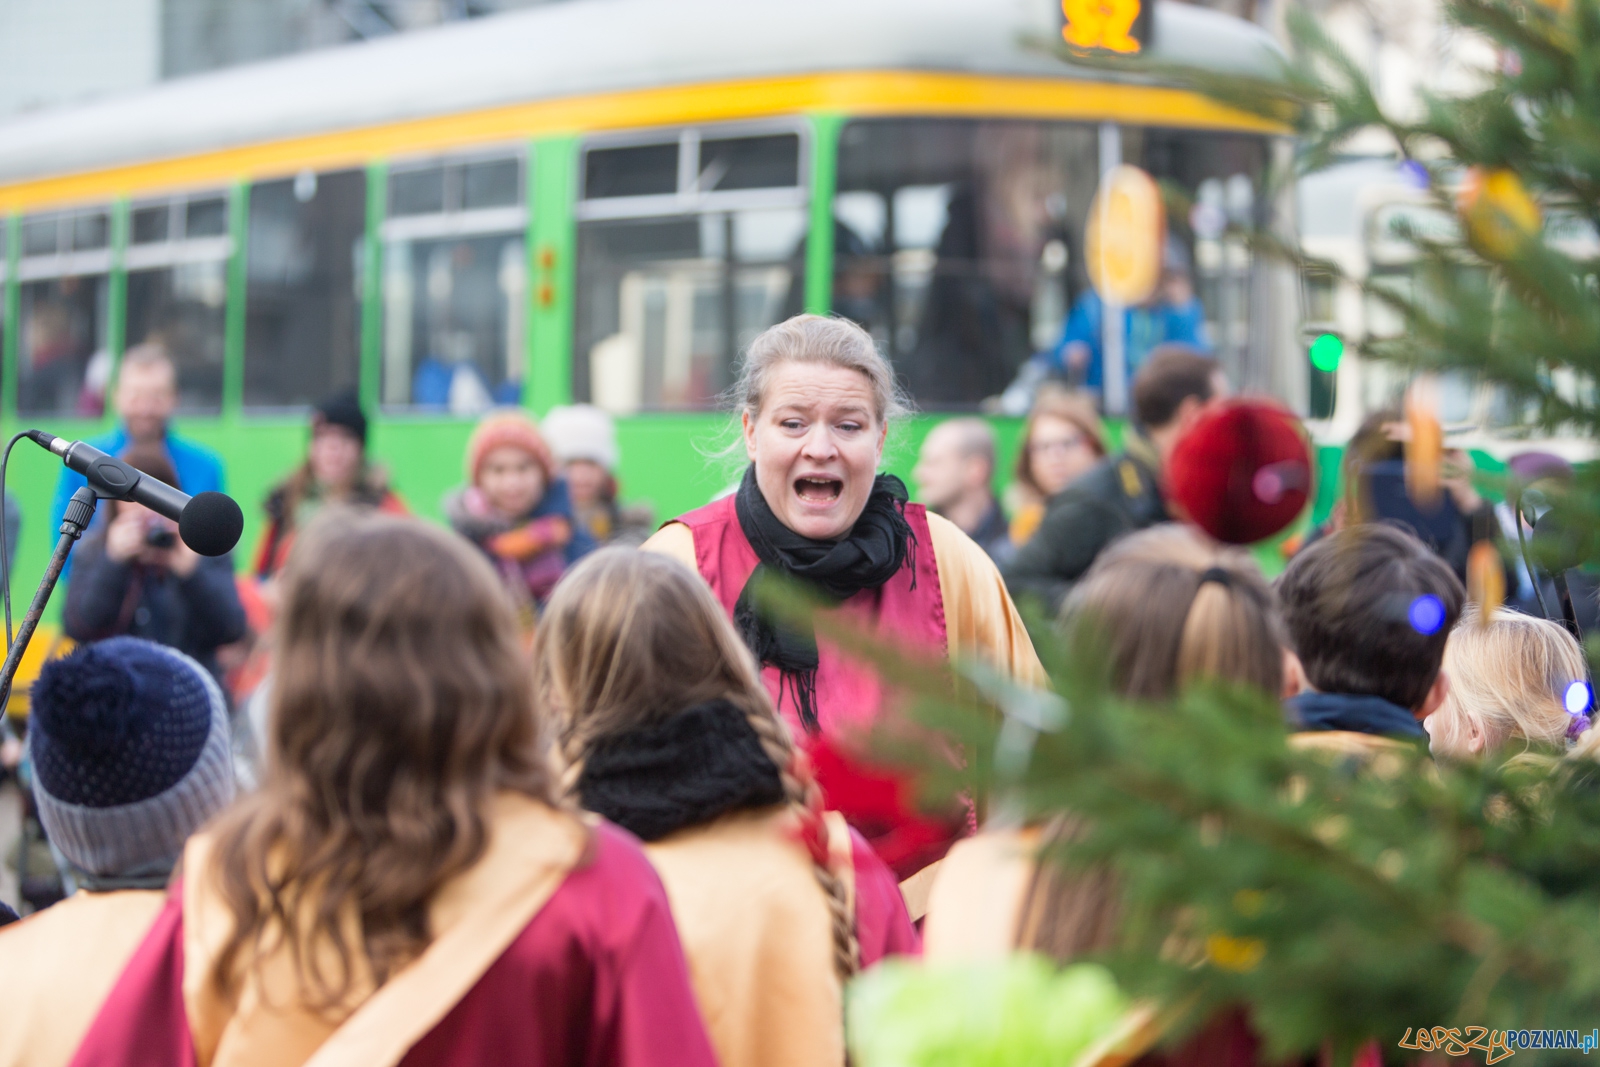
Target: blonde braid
(803, 795)
(573, 744)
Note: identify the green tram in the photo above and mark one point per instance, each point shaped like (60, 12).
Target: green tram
(603, 201)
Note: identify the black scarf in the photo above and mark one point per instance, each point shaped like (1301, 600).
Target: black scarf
(877, 546)
(699, 764)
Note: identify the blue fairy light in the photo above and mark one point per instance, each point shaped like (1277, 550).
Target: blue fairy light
(1426, 614)
(1578, 698)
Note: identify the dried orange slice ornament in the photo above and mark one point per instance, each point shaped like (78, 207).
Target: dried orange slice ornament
(1486, 580)
(1424, 446)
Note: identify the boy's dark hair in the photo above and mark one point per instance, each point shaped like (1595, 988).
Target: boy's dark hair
(1171, 374)
(1348, 606)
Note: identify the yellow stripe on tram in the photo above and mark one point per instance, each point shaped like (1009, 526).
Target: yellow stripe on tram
(855, 93)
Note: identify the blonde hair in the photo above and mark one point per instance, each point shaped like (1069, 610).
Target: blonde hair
(630, 639)
(1172, 606)
(1510, 678)
(818, 339)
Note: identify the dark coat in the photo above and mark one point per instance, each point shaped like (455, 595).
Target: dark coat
(1120, 495)
(195, 615)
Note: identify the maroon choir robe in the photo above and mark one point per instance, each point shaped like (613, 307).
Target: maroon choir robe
(595, 977)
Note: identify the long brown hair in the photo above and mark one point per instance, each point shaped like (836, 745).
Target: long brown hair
(400, 706)
(633, 638)
(1163, 607)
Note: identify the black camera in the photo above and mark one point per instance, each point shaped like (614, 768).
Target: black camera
(160, 538)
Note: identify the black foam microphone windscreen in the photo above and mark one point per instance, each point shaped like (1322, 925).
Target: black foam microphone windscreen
(211, 523)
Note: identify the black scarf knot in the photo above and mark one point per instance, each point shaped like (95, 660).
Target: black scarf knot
(699, 764)
(878, 545)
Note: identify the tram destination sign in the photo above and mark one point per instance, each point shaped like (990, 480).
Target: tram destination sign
(1123, 26)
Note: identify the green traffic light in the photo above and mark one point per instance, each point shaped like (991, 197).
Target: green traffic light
(1326, 351)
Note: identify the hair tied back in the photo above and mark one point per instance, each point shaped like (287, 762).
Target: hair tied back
(1220, 575)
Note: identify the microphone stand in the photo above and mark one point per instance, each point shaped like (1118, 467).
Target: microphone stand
(80, 512)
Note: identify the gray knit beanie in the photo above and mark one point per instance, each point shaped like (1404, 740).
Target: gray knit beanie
(129, 743)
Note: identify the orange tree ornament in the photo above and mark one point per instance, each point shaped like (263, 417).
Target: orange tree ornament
(1498, 211)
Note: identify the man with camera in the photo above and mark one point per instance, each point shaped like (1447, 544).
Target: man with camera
(134, 576)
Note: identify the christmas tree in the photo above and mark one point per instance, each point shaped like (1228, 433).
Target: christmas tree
(1348, 902)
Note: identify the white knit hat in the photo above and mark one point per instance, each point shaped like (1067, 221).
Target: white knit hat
(581, 431)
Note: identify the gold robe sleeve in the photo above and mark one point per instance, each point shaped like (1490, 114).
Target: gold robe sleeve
(675, 540)
(980, 618)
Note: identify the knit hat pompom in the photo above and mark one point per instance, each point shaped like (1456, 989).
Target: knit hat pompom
(84, 702)
(508, 428)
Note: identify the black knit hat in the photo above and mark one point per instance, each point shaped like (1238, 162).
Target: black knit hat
(343, 409)
(130, 750)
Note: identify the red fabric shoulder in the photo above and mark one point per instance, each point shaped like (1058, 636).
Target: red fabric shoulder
(143, 1022)
(883, 925)
(597, 978)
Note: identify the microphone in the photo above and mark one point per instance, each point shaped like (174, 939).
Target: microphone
(209, 523)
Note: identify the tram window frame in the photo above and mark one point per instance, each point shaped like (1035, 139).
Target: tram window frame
(739, 215)
(178, 249)
(455, 219)
(335, 301)
(66, 260)
(958, 323)
(688, 198)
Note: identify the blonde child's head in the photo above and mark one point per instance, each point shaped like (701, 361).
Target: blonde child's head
(1509, 683)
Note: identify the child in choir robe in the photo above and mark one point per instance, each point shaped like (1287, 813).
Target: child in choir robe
(669, 732)
(404, 887)
(129, 746)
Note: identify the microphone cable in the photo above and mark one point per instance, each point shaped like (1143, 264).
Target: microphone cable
(5, 569)
(5, 549)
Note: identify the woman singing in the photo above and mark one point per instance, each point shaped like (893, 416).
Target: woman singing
(815, 402)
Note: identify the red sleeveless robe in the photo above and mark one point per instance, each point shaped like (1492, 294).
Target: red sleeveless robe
(850, 696)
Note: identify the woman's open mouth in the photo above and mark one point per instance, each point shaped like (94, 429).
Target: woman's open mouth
(816, 489)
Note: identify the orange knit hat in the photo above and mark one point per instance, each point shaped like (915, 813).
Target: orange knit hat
(507, 429)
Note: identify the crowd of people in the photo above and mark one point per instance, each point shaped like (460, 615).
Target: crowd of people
(501, 794)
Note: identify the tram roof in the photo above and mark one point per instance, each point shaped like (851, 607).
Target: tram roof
(577, 48)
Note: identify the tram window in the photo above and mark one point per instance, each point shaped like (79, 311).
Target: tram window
(670, 290)
(666, 304)
(64, 362)
(492, 183)
(90, 230)
(455, 285)
(206, 217)
(151, 224)
(454, 321)
(416, 192)
(637, 170)
(1208, 296)
(767, 162)
(177, 288)
(955, 245)
(41, 236)
(303, 308)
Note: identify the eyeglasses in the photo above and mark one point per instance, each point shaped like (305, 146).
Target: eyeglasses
(1059, 446)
